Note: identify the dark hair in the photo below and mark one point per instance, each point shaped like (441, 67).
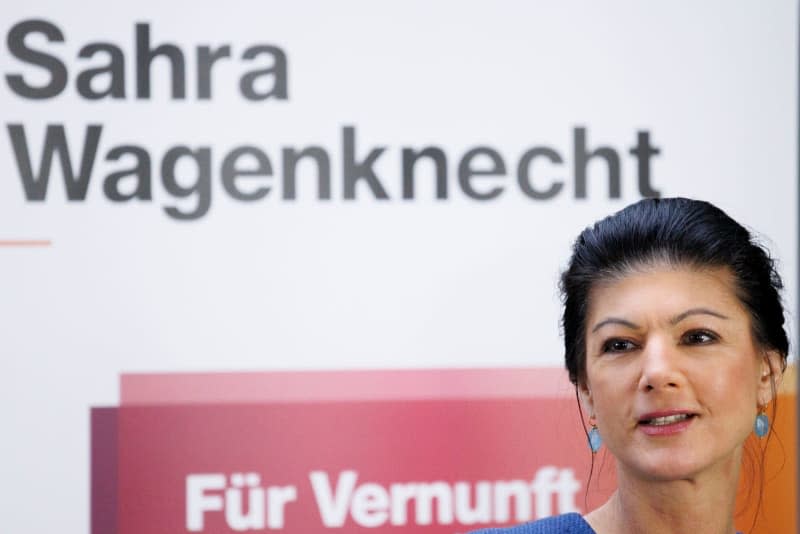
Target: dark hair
(675, 231)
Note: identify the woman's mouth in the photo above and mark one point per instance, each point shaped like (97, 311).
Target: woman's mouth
(665, 425)
(666, 420)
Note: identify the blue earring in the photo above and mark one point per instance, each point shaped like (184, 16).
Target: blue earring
(595, 440)
(761, 426)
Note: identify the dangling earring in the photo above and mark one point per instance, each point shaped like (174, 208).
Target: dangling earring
(761, 426)
(595, 440)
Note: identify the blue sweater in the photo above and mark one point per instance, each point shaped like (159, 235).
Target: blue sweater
(571, 523)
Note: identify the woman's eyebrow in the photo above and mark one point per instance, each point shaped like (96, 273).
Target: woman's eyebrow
(614, 320)
(675, 320)
(696, 311)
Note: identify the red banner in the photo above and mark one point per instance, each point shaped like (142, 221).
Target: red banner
(434, 465)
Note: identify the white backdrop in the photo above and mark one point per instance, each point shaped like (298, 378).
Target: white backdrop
(355, 283)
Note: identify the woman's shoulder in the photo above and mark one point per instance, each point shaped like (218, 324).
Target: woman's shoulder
(571, 523)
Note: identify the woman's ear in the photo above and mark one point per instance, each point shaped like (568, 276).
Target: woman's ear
(587, 402)
(769, 381)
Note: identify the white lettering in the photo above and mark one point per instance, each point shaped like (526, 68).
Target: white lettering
(235, 516)
(278, 497)
(544, 488)
(333, 507)
(246, 505)
(482, 511)
(370, 505)
(401, 495)
(426, 494)
(504, 491)
(198, 502)
(567, 486)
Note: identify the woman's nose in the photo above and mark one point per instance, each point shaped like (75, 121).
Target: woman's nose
(660, 370)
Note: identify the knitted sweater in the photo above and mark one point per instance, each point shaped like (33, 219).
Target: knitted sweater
(571, 523)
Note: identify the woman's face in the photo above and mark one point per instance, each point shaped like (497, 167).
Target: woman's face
(674, 377)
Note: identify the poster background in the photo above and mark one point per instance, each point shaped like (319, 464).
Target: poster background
(359, 284)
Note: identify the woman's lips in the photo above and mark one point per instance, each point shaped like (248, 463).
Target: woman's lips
(665, 424)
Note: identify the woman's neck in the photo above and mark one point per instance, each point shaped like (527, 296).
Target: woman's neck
(701, 505)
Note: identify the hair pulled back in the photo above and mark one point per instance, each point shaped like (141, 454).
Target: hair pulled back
(678, 232)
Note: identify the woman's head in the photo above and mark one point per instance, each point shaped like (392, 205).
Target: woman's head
(674, 377)
(676, 233)
(674, 337)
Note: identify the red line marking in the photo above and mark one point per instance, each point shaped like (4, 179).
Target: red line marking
(25, 243)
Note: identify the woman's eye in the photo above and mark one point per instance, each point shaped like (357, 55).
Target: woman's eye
(699, 337)
(617, 345)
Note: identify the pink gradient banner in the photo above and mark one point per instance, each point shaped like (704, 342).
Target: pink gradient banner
(439, 451)
(434, 466)
(301, 386)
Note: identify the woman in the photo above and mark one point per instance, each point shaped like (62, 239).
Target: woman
(674, 339)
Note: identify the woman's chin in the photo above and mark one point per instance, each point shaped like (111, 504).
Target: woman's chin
(663, 466)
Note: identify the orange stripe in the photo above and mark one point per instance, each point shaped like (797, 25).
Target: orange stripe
(778, 514)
